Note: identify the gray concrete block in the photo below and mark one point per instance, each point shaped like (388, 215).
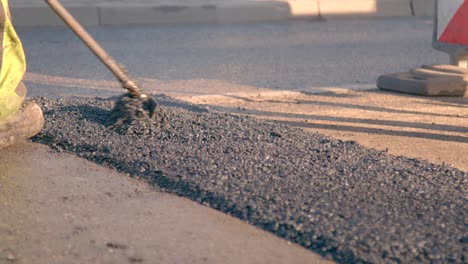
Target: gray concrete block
(44, 16)
(425, 86)
(393, 8)
(423, 8)
(446, 68)
(134, 14)
(253, 12)
(331, 9)
(431, 73)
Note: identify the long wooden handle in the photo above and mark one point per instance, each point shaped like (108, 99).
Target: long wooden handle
(113, 66)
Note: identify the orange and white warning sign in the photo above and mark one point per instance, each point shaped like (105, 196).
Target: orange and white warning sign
(451, 30)
(452, 22)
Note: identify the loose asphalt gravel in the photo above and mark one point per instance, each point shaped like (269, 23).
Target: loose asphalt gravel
(337, 198)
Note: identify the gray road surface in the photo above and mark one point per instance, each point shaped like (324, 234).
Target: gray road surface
(279, 180)
(292, 56)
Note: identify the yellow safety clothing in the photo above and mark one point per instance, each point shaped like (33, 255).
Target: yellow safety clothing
(13, 65)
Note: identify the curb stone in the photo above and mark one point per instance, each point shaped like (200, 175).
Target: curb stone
(330, 9)
(425, 85)
(422, 7)
(424, 72)
(447, 69)
(100, 12)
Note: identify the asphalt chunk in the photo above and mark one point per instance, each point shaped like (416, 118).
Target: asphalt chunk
(337, 198)
(130, 113)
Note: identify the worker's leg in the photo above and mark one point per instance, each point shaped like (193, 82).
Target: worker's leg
(18, 120)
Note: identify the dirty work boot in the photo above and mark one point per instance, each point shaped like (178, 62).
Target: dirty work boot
(26, 123)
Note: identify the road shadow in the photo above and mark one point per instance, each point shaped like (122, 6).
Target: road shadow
(331, 94)
(362, 122)
(434, 100)
(452, 102)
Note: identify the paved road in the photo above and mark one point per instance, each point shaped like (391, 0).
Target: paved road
(294, 56)
(286, 56)
(350, 203)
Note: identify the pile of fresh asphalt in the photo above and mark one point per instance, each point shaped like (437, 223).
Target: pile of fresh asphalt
(347, 202)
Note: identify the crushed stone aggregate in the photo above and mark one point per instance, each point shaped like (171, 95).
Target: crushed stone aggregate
(337, 198)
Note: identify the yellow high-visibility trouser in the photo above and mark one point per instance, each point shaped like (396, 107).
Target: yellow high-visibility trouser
(13, 65)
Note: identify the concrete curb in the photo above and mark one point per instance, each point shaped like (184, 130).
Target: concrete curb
(423, 84)
(134, 13)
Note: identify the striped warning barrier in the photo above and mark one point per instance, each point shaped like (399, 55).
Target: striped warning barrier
(451, 30)
(451, 36)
